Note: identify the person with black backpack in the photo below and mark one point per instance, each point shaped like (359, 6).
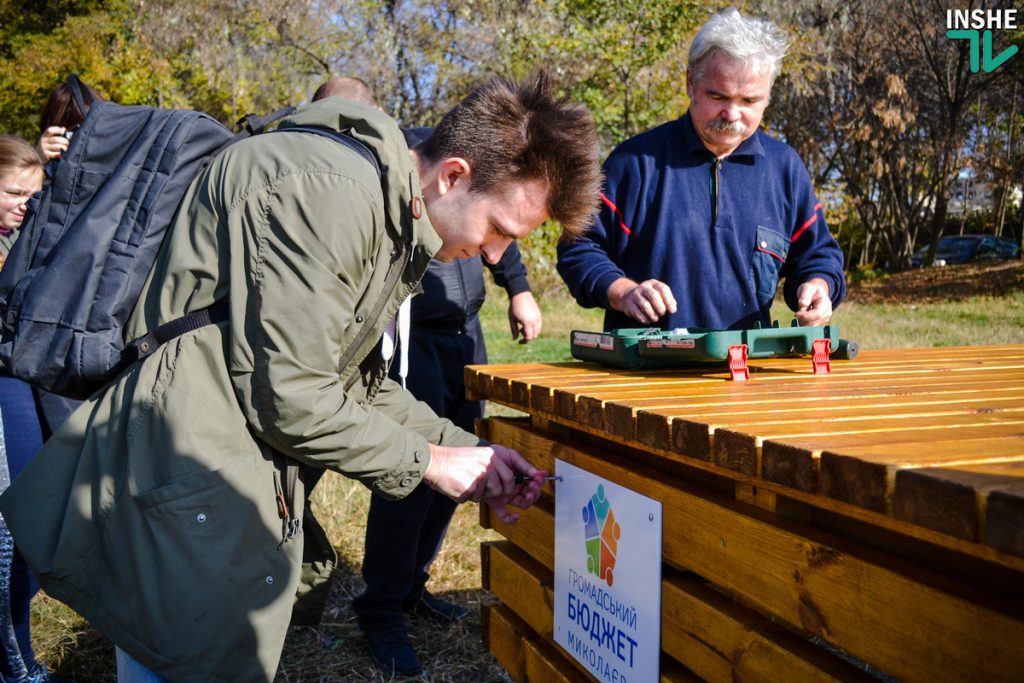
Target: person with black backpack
(170, 508)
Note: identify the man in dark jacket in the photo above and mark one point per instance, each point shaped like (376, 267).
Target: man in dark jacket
(704, 215)
(404, 536)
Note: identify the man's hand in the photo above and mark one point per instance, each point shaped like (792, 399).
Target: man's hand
(646, 301)
(52, 143)
(459, 473)
(522, 495)
(482, 473)
(524, 317)
(813, 305)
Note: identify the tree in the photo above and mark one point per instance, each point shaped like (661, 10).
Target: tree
(891, 119)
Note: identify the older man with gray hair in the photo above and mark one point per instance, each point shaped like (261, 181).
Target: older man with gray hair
(703, 216)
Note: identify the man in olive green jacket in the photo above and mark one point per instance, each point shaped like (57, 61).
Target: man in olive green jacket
(162, 511)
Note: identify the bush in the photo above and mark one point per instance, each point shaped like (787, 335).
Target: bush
(864, 273)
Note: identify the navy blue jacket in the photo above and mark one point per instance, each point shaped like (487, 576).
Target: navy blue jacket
(453, 292)
(720, 233)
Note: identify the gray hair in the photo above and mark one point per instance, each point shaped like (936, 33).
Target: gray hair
(758, 43)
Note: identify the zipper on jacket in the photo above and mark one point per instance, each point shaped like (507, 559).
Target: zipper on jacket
(465, 295)
(284, 491)
(389, 287)
(713, 190)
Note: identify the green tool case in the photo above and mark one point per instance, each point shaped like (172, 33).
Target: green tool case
(633, 348)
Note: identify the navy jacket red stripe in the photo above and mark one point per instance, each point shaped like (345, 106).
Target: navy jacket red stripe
(720, 233)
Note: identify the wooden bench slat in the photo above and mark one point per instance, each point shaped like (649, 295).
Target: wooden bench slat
(865, 476)
(795, 461)
(738, 447)
(953, 499)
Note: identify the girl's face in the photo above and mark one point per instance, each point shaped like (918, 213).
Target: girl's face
(15, 189)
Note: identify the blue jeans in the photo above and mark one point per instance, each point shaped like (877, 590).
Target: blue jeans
(130, 670)
(23, 437)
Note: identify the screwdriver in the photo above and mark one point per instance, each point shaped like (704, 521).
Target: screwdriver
(522, 478)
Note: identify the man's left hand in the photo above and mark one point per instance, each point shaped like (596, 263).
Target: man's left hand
(524, 317)
(814, 307)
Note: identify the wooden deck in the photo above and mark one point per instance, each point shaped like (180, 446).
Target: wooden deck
(877, 510)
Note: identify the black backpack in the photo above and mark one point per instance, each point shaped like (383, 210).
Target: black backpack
(90, 239)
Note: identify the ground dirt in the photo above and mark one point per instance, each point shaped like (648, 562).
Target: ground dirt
(944, 283)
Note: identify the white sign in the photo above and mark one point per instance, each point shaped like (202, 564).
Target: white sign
(607, 576)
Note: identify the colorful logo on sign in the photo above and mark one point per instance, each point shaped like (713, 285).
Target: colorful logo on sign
(602, 536)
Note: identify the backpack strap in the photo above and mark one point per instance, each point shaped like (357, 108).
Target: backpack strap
(251, 125)
(83, 98)
(144, 346)
(254, 125)
(342, 139)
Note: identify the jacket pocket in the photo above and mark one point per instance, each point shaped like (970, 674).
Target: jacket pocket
(203, 547)
(770, 251)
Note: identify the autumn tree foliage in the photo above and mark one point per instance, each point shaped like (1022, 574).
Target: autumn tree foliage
(879, 102)
(890, 113)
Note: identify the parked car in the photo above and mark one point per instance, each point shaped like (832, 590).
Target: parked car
(969, 248)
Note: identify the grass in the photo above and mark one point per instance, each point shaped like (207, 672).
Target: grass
(334, 652)
(970, 322)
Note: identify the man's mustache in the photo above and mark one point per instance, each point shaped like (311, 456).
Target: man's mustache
(720, 126)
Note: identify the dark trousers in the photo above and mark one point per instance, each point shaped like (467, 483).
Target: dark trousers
(404, 536)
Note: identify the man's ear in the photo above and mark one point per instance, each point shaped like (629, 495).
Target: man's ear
(451, 172)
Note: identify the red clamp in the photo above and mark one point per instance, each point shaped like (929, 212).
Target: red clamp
(820, 351)
(738, 362)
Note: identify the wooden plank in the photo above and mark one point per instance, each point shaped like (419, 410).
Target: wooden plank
(794, 461)
(619, 410)
(719, 639)
(684, 394)
(654, 385)
(523, 584)
(865, 475)
(933, 359)
(544, 662)
(526, 588)
(478, 377)
(917, 361)
(709, 634)
(952, 499)
(578, 376)
(1004, 518)
(503, 634)
(674, 672)
(686, 434)
(532, 532)
(738, 446)
(670, 462)
(901, 619)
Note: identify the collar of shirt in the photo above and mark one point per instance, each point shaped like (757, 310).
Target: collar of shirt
(750, 147)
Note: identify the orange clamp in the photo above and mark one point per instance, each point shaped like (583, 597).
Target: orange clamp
(738, 370)
(821, 349)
